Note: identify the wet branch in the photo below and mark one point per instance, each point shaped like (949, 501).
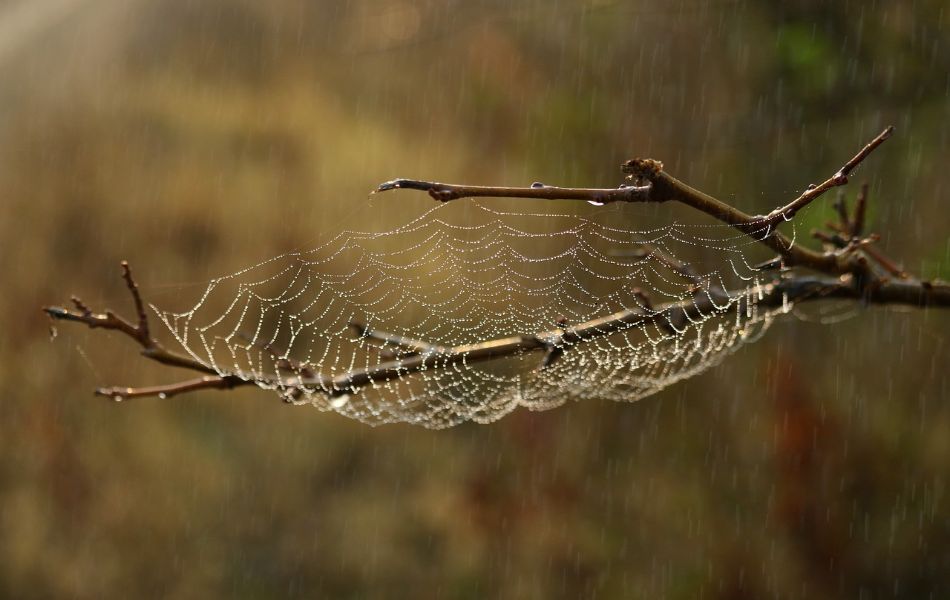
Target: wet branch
(667, 316)
(812, 193)
(849, 267)
(445, 192)
(151, 348)
(208, 382)
(653, 184)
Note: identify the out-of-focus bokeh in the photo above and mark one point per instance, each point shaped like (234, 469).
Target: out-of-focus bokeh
(194, 138)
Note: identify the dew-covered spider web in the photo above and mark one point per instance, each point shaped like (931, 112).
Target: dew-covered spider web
(468, 311)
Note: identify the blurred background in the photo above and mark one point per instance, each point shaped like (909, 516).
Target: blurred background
(194, 138)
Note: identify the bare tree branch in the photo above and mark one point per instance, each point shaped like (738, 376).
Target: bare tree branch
(674, 315)
(662, 187)
(151, 348)
(845, 274)
(208, 382)
(444, 192)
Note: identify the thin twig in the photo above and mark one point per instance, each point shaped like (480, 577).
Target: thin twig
(840, 178)
(886, 263)
(860, 206)
(841, 206)
(832, 240)
(151, 348)
(142, 330)
(445, 192)
(208, 382)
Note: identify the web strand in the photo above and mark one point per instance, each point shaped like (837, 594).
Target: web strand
(447, 280)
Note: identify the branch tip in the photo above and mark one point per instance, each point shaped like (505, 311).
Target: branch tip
(770, 265)
(56, 312)
(813, 192)
(642, 167)
(80, 306)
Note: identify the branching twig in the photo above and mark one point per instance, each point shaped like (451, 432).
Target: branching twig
(151, 348)
(661, 187)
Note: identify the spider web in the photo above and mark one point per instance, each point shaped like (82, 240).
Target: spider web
(461, 274)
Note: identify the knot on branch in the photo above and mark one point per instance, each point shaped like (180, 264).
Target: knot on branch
(554, 346)
(642, 168)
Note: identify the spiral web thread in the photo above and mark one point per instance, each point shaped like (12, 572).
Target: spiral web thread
(464, 273)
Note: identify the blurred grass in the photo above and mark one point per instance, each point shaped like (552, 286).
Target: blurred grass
(197, 138)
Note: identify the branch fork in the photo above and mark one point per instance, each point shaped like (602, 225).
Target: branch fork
(151, 348)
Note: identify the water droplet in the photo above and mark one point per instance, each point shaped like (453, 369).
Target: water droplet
(117, 398)
(537, 184)
(340, 402)
(595, 203)
(162, 395)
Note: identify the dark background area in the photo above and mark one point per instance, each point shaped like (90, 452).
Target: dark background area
(195, 138)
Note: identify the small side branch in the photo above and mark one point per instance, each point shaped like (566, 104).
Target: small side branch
(845, 235)
(881, 259)
(208, 382)
(409, 346)
(813, 192)
(151, 348)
